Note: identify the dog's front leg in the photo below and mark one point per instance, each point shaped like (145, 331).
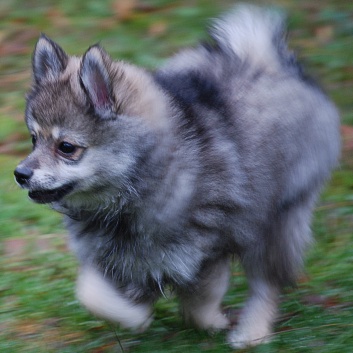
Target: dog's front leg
(103, 299)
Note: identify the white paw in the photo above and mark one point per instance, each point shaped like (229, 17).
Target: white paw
(205, 320)
(99, 296)
(239, 339)
(220, 322)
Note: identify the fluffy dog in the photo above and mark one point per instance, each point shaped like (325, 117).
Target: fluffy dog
(164, 177)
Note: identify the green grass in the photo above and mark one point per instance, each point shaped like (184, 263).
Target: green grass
(38, 309)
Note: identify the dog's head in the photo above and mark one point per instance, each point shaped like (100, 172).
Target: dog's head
(87, 118)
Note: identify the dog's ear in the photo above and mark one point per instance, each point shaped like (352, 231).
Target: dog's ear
(96, 81)
(49, 60)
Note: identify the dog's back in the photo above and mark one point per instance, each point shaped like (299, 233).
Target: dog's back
(269, 137)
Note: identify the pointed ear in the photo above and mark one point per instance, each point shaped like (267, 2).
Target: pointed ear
(49, 60)
(96, 80)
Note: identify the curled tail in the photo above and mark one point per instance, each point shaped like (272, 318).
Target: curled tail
(256, 35)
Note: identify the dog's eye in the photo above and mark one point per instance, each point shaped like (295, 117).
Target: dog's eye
(67, 148)
(34, 141)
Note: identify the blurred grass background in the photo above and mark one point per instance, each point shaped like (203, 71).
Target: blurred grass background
(38, 309)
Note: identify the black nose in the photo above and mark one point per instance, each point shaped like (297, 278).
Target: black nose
(23, 174)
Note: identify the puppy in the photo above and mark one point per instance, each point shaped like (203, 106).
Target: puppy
(164, 177)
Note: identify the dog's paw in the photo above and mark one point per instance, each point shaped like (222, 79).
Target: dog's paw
(211, 321)
(104, 300)
(240, 339)
(218, 323)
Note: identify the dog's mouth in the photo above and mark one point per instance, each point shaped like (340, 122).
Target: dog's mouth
(50, 195)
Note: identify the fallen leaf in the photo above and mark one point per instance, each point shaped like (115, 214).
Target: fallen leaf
(15, 247)
(347, 137)
(57, 17)
(157, 28)
(18, 42)
(321, 300)
(324, 34)
(124, 9)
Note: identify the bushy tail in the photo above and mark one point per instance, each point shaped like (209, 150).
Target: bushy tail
(254, 34)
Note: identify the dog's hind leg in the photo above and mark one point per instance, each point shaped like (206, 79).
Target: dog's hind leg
(104, 300)
(202, 306)
(258, 315)
(272, 263)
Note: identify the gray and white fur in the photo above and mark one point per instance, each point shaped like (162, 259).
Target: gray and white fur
(164, 177)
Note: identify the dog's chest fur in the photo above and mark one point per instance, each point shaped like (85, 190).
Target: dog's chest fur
(131, 252)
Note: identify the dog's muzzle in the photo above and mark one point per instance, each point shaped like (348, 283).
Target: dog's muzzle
(23, 176)
(50, 195)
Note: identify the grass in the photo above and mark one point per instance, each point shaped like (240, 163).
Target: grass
(39, 312)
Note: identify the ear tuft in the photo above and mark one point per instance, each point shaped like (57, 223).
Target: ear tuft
(96, 80)
(49, 60)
